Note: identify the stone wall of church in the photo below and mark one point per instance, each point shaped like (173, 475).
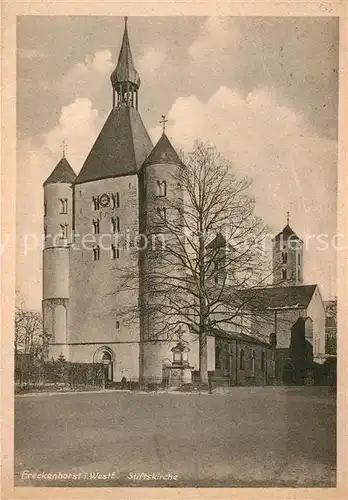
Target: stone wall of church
(55, 293)
(56, 273)
(104, 292)
(265, 324)
(125, 357)
(243, 363)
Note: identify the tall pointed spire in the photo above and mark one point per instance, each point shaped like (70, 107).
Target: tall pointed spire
(125, 78)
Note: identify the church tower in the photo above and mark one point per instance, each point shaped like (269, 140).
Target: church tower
(287, 257)
(106, 215)
(161, 196)
(58, 234)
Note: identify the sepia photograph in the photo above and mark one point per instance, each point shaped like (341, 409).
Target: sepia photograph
(176, 251)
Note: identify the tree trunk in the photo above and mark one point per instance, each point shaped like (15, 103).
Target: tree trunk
(203, 358)
(203, 354)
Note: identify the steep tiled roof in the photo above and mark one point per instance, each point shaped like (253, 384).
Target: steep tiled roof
(286, 234)
(237, 336)
(163, 152)
(120, 149)
(63, 173)
(280, 297)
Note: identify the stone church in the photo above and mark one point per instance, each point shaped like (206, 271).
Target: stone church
(124, 179)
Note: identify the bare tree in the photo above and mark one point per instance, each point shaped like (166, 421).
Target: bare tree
(204, 247)
(28, 332)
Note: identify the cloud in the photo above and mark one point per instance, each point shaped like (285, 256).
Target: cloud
(79, 123)
(297, 58)
(292, 167)
(214, 36)
(88, 78)
(151, 60)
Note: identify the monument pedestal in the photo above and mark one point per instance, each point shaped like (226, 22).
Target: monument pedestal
(180, 372)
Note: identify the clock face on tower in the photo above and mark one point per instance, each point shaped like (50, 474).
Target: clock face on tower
(104, 200)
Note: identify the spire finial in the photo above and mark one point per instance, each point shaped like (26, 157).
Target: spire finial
(287, 217)
(163, 121)
(63, 148)
(125, 79)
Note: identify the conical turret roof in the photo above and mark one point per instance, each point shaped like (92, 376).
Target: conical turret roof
(63, 173)
(125, 71)
(163, 152)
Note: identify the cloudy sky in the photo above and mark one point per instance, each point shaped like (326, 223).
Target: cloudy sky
(262, 89)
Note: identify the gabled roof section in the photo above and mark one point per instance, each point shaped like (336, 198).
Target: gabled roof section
(163, 152)
(63, 173)
(120, 149)
(279, 297)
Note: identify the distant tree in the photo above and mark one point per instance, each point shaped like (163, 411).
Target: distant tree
(28, 332)
(214, 249)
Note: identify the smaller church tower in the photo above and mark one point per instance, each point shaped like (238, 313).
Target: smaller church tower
(160, 200)
(57, 232)
(287, 257)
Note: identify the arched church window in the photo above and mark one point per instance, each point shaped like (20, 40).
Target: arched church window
(284, 258)
(115, 224)
(115, 252)
(63, 205)
(96, 226)
(117, 324)
(64, 231)
(95, 203)
(284, 274)
(115, 200)
(241, 360)
(161, 188)
(299, 259)
(252, 363)
(96, 253)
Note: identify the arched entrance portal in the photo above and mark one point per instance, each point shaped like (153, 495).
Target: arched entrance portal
(108, 368)
(106, 357)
